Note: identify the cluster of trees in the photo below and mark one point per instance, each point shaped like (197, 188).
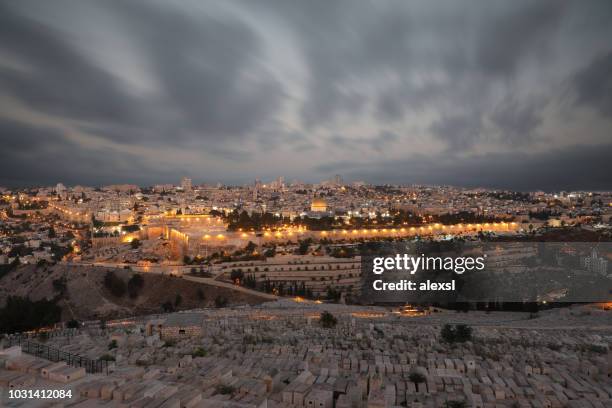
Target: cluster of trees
(459, 333)
(114, 284)
(169, 306)
(303, 246)
(333, 294)
(118, 287)
(543, 215)
(510, 195)
(342, 252)
(242, 220)
(20, 251)
(284, 288)
(462, 217)
(32, 205)
(22, 314)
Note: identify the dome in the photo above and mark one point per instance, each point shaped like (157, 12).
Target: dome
(318, 205)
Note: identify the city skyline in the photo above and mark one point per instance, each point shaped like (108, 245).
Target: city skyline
(508, 95)
(277, 184)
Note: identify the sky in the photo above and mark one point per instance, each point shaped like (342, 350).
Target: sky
(500, 94)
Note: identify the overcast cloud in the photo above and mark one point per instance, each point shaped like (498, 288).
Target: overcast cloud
(506, 94)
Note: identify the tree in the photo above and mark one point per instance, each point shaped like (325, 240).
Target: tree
(303, 247)
(60, 285)
(236, 276)
(134, 285)
(114, 284)
(250, 281)
(167, 307)
(250, 247)
(113, 345)
(73, 324)
(416, 377)
(135, 243)
(178, 300)
(463, 333)
(328, 320)
(200, 294)
(448, 333)
(456, 334)
(333, 294)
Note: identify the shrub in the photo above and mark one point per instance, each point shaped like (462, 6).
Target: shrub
(224, 389)
(113, 345)
(328, 320)
(59, 285)
(597, 349)
(455, 404)
(199, 352)
(220, 301)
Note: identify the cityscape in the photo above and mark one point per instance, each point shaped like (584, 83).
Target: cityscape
(249, 296)
(306, 204)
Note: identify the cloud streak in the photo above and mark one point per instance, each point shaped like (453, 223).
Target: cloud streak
(236, 90)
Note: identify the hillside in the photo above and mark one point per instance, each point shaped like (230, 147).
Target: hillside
(82, 294)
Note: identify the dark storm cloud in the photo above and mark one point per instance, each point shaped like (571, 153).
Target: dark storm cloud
(459, 131)
(208, 69)
(510, 33)
(577, 167)
(43, 156)
(593, 85)
(470, 42)
(517, 119)
(273, 85)
(382, 141)
(55, 79)
(202, 66)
